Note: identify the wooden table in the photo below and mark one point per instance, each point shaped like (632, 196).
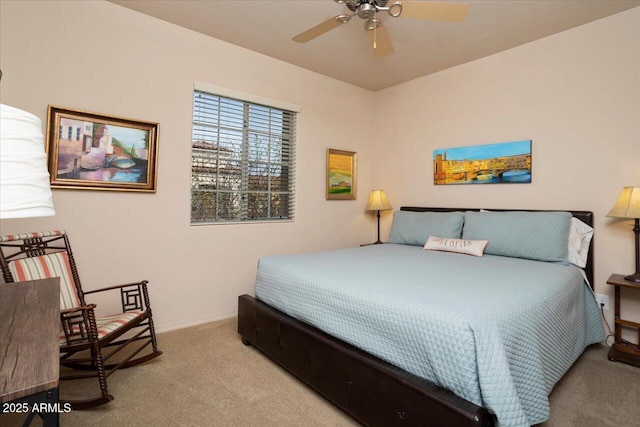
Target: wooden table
(29, 349)
(623, 350)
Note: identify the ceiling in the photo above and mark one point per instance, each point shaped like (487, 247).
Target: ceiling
(421, 47)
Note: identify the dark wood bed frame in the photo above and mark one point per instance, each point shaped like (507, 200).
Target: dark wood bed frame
(373, 391)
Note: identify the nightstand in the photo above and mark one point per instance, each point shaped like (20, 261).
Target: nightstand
(622, 350)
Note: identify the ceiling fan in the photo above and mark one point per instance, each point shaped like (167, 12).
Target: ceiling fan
(378, 36)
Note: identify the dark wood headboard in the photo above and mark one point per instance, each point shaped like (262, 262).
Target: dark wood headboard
(584, 216)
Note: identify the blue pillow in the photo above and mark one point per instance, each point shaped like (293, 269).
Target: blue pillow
(414, 228)
(540, 236)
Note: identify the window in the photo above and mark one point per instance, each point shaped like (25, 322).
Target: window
(242, 161)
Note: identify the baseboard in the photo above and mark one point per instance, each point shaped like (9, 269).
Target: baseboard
(193, 322)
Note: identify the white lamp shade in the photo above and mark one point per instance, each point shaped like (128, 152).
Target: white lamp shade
(378, 201)
(24, 179)
(628, 204)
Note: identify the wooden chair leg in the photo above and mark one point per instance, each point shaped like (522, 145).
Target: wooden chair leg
(152, 332)
(98, 362)
(102, 376)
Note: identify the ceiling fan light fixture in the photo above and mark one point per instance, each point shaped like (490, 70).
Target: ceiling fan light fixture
(374, 29)
(372, 24)
(344, 18)
(395, 9)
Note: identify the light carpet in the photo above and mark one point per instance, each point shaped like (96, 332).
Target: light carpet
(207, 377)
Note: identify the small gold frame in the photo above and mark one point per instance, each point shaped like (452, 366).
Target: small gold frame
(341, 175)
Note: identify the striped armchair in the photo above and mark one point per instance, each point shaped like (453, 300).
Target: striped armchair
(83, 335)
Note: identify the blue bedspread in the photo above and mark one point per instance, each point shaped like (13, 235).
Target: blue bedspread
(497, 331)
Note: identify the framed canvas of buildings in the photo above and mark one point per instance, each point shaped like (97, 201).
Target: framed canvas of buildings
(500, 163)
(98, 152)
(341, 174)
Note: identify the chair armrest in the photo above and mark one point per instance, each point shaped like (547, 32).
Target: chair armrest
(79, 324)
(74, 309)
(110, 288)
(133, 296)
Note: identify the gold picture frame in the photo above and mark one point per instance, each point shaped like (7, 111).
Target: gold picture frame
(91, 151)
(341, 174)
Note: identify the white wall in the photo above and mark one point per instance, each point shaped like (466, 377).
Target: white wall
(575, 94)
(100, 57)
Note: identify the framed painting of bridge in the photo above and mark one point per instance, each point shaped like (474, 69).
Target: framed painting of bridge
(92, 151)
(500, 163)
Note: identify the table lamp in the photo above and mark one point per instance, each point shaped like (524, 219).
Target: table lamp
(24, 178)
(628, 206)
(378, 202)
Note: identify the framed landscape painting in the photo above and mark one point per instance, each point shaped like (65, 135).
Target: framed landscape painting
(97, 152)
(341, 175)
(500, 163)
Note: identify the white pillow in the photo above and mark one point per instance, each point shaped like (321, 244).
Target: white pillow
(460, 246)
(580, 235)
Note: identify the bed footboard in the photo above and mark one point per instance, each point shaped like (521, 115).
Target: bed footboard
(371, 390)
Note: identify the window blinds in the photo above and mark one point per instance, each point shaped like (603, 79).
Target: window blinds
(242, 161)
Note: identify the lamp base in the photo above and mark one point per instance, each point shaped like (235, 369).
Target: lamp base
(635, 278)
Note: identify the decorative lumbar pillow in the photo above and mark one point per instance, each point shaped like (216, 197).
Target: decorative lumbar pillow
(460, 246)
(540, 236)
(580, 235)
(413, 228)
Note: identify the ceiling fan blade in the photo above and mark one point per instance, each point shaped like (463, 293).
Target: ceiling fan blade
(318, 30)
(380, 42)
(452, 12)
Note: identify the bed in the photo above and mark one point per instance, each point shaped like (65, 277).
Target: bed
(394, 334)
